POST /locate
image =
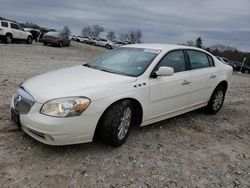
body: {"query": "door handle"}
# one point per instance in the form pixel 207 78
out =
pixel 185 82
pixel 212 76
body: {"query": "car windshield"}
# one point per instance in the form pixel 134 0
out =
pixel 125 61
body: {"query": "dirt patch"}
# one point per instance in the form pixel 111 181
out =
pixel 191 150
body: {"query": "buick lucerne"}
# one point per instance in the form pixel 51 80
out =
pixel 134 85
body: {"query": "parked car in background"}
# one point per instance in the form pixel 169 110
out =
pixel 103 42
pixel 83 39
pixel 10 31
pixel 245 68
pixel 134 85
pixel 72 37
pixel 227 62
pixel 116 43
pixel 35 33
pixel 56 38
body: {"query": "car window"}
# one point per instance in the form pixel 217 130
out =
pixel 175 59
pixel 13 26
pixel 20 28
pixel 198 59
pixel 4 24
pixel 211 61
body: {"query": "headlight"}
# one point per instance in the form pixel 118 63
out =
pixel 65 107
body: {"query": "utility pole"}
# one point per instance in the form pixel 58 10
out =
pixel 243 63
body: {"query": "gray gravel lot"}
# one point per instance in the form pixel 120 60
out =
pixel 191 150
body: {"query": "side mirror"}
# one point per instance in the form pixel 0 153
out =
pixel 165 71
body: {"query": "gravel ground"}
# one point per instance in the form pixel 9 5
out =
pixel 191 150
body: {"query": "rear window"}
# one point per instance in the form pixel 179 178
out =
pixel 53 33
pixel 4 24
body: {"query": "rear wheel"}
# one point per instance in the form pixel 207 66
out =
pixel 8 39
pixel 60 44
pixel 216 101
pixel 45 44
pixel 29 40
pixel 116 123
pixel 108 47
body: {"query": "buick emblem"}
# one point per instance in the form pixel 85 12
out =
pixel 17 101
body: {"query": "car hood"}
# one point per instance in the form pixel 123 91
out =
pixel 73 81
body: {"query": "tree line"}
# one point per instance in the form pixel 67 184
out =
pixel 96 30
pixel 232 53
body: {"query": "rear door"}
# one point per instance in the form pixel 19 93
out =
pixel 203 76
pixel 14 30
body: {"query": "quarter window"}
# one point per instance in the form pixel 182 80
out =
pixel 198 59
pixel 4 24
pixel 211 61
pixel 175 59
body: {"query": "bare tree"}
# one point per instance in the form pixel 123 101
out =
pixel 87 31
pixel 122 37
pixel 133 36
pixel 111 35
pixel 97 30
pixel 66 30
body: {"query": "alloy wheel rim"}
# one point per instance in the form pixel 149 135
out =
pixel 218 99
pixel 124 123
pixel 9 39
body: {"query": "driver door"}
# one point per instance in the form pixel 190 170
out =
pixel 169 94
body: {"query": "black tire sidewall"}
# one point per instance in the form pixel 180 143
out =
pixel 60 44
pixel 111 121
pixel 29 40
pixel 209 107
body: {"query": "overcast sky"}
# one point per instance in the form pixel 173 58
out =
pixel 163 21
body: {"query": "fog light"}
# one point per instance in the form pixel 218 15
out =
pixel 48 138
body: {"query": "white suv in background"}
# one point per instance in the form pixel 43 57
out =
pixel 10 31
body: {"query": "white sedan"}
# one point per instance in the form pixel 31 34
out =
pixel 133 85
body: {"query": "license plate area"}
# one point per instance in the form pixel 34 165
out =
pixel 15 117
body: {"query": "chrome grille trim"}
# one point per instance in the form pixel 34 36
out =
pixel 23 101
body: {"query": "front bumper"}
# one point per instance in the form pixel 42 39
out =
pixel 59 131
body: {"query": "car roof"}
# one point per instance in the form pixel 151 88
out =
pixel 166 47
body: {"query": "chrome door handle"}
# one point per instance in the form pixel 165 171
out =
pixel 212 76
pixel 185 82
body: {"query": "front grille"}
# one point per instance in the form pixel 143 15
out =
pixel 23 101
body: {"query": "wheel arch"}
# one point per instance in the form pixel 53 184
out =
pixel 223 84
pixel 138 112
pixel 8 33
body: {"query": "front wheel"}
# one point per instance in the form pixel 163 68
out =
pixel 29 40
pixel 116 123
pixel 216 101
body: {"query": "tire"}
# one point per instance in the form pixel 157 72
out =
pixel 8 39
pixel 60 44
pixel 108 47
pixel 94 44
pixel 216 101
pixel 45 44
pixel 85 42
pixel 29 40
pixel 116 123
